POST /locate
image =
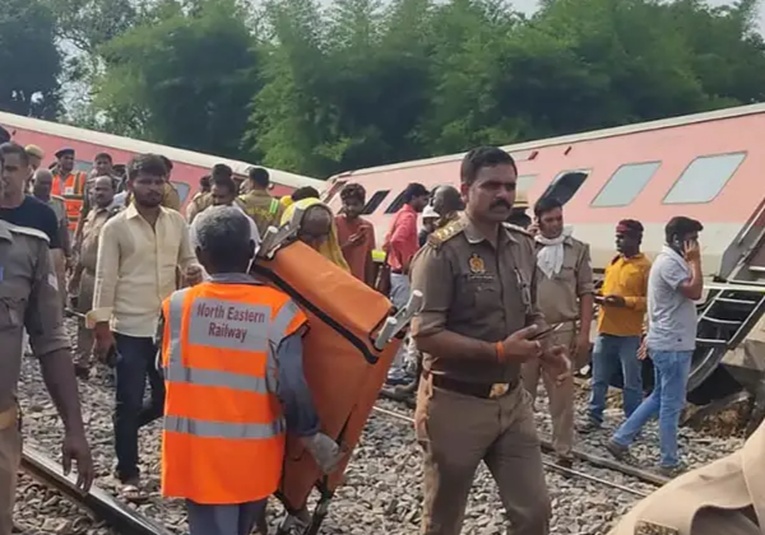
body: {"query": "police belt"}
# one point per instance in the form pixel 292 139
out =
pixel 476 390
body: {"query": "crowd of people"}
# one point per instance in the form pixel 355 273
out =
pixel 507 301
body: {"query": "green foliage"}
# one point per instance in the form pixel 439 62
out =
pixel 320 88
pixel 29 60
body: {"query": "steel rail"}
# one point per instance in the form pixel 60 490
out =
pixel 123 519
pixel 591 459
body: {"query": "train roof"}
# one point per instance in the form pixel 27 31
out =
pixel 11 121
pixel 671 122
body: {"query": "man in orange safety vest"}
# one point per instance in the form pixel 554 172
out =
pixel 232 358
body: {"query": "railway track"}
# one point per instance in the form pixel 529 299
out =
pixel 644 476
pixel 103 505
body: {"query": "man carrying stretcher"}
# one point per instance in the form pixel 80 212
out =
pixel 232 358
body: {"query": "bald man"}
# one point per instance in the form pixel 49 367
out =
pixel 42 184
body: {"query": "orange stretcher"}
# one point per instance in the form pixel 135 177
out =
pixel 354 333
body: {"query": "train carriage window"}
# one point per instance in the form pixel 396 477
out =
pixel 83 165
pixel 625 184
pixel 566 184
pixel 396 205
pixel 704 178
pixel 183 190
pixel 375 201
pixel 524 182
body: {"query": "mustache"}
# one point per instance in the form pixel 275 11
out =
pixel 500 203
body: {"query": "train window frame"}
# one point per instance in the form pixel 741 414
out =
pixel 595 204
pixel 375 201
pixel 179 187
pixel 586 171
pixel 397 203
pixel 678 183
pixel 83 166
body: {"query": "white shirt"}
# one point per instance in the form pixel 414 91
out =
pixel 136 269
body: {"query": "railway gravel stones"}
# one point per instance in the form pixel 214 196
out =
pixel 382 494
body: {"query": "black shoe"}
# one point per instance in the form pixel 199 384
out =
pixel 617 450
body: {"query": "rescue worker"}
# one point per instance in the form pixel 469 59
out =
pixel 82 282
pixel 200 199
pixel 565 297
pixel 62 258
pixel 518 216
pixel 30 299
pixel 429 219
pixel 223 439
pixel 447 202
pixel 722 498
pixel 258 203
pixel 479 288
pixel 35 155
pixel 318 230
pixel 69 184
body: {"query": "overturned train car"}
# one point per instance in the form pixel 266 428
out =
pixel 706 166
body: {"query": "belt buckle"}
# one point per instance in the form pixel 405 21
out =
pixel 498 390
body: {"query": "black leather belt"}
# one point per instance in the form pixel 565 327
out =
pixel 397 271
pixel 477 390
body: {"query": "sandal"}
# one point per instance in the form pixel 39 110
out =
pixel 131 493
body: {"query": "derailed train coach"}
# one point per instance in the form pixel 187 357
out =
pixel 706 166
pixel 188 166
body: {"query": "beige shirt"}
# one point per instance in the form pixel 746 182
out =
pixel 559 296
pixel 136 269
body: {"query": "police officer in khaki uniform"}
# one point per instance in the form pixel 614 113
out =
pixel 264 209
pixel 29 299
pixel 83 279
pixel 201 199
pixel 478 281
pixel 726 497
pixel 565 293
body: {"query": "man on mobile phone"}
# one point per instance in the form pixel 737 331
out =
pixel 674 283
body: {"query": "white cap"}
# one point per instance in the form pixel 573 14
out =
pixel 430 213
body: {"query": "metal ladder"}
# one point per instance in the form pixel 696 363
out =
pixel 724 321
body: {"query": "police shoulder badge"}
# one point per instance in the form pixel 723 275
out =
pixel 475 262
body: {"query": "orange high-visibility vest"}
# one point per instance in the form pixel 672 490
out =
pixel 72 189
pixel 223 438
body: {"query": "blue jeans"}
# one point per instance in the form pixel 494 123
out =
pixel 671 370
pixel 135 361
pixel 609 352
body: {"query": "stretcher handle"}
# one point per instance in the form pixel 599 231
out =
pixel 277 237
pixel 394 324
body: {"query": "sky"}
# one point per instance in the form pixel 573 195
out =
pixel 529 6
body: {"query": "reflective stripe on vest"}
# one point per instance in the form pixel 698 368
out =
pixel 175 371
pixel 222 415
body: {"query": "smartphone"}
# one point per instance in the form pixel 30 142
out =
pixel 541 334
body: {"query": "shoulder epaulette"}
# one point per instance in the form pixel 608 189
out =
pixel 113 210
pixel 519 230
pixel 438 237
pixel 29 231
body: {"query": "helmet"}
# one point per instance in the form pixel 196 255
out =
pixel 521 200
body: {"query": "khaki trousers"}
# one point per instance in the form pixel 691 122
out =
pixel 561 396
pixel 84 335
pixel 456 433
pixel 10 458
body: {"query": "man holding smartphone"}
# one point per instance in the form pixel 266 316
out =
pixel 476 327
pixel 674 283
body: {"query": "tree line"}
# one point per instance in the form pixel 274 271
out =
pixel 319 88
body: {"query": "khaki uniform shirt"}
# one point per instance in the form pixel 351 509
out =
pixel 29 299
pixel 729 493
pixel 559 295
pixel 474 289
pixel 263 209
pixel 198 204
pixel 91 231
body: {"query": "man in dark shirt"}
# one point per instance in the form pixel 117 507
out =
pixel 18 208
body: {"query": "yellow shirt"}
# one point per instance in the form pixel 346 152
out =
pixel 628 278
pixel 135 269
